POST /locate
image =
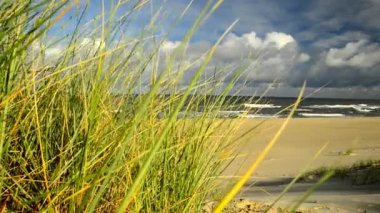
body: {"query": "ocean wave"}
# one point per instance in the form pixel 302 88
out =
pixel 358 107
pixel 321 114
pixel 261 106
pixel 231 114
pixel 258 116
pixel 304 110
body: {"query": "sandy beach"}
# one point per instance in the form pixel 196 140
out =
pixel 349 140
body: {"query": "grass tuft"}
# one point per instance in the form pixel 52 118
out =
pixel 360 173
pixel 91 121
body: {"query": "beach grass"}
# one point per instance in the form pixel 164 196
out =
pixel 359 173
pixel 99 120
pixel 81 128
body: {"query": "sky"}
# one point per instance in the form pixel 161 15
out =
pixel 334 44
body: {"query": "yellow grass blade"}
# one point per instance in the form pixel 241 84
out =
pixel 316 155
pixel 231 194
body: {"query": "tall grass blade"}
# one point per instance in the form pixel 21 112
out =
pixel 235 189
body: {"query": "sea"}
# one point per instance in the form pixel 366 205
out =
pixel 275 107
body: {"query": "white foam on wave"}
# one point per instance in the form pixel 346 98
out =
pixel 261 106
pixel 304 110
pixel 321 115
pixel 258 116
pixel 357 107
pixel 232 112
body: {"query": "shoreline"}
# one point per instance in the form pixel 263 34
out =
pixel 321 117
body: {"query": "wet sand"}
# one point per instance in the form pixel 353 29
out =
pixel 349 140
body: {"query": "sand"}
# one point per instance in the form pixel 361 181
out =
pixel 349 140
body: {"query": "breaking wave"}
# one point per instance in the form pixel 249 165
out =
pixel 261 106
pixel 322 114
pixel 358 107
pixel 258 116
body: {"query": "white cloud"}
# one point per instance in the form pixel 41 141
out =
pixel 252 41
pixel 303 57
pixel 52 53
pixel 272 57
pixel 168 46
pixel 332 40
pixel 91 43
pixel 355 64
pixel 268 58
pixel 249 40
pixel 278 39
pixel 360 54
